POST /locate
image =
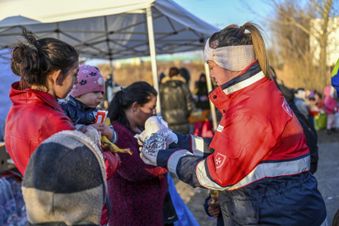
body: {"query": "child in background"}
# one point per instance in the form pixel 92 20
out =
pixel 330 106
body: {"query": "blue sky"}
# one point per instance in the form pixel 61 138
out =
pixel 223 12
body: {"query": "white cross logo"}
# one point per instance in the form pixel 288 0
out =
pixel 219 160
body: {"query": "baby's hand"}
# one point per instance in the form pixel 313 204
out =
pixel 104 130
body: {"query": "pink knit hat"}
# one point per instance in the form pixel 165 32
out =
pixel 89 79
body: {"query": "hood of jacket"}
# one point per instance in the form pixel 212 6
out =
pixel 173 81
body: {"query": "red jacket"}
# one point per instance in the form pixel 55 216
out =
pixel 136 190
pixel 33 117
pixel 258 136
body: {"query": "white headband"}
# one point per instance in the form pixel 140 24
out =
pixel 233 58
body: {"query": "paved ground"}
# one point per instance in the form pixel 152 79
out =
pixel 327 176
pixel 328 171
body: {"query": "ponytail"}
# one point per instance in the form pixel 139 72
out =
pixel 258 46
pixel 234 35
pixel 34 59
pixel 27 62
pixel 116 109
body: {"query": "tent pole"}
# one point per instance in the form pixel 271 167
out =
pixel 109 51
pixel 209 88
pixel 152 51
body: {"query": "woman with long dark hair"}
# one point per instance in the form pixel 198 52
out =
pixel 137 191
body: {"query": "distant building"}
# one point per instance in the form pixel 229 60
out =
pixel 333 40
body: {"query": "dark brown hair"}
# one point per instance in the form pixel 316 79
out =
pixel 34 59
pixel 173 71
pixel 140 92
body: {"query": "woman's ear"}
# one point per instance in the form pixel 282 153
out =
pixel 56 77
pixel 134 106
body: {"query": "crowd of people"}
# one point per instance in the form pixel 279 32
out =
pixel 257 164
pixel 320 109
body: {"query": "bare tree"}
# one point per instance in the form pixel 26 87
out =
pixel 294 27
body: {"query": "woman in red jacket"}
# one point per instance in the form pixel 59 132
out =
pixel 258 159
pixel 47 68
pixel 137 191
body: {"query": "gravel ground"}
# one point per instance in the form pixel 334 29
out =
pixel 328 185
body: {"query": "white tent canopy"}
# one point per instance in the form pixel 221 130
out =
pixel 108 29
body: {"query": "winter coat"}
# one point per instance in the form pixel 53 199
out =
pixel 260 161
pixel 330 105
pixel 302 107
pixel 34 116
pixel 176 103
pixel 201 95
pixel 78 112
pixel 137 191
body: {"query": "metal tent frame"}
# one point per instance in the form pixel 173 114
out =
pixel 113 30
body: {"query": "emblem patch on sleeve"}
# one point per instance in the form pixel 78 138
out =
pixel 219 160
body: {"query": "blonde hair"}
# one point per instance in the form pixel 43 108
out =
pixel 258 46
pixel 234 35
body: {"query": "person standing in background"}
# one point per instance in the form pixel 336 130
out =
pixel 176 101
pixel 331 107
pixel 201 93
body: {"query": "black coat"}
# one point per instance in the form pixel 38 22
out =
pixel 176 103
pixel 202 101
pixel 78 112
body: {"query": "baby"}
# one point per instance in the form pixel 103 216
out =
pixel 86 94
pixel 81 105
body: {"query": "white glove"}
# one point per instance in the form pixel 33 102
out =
pixel 155 124
pixel 151 148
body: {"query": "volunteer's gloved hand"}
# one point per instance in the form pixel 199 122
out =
pixel 151 148
pixel 156 124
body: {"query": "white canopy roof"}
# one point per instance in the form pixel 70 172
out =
pixel 106 29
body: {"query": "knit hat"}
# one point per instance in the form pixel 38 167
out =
pixel 89 79
pixel 65 181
